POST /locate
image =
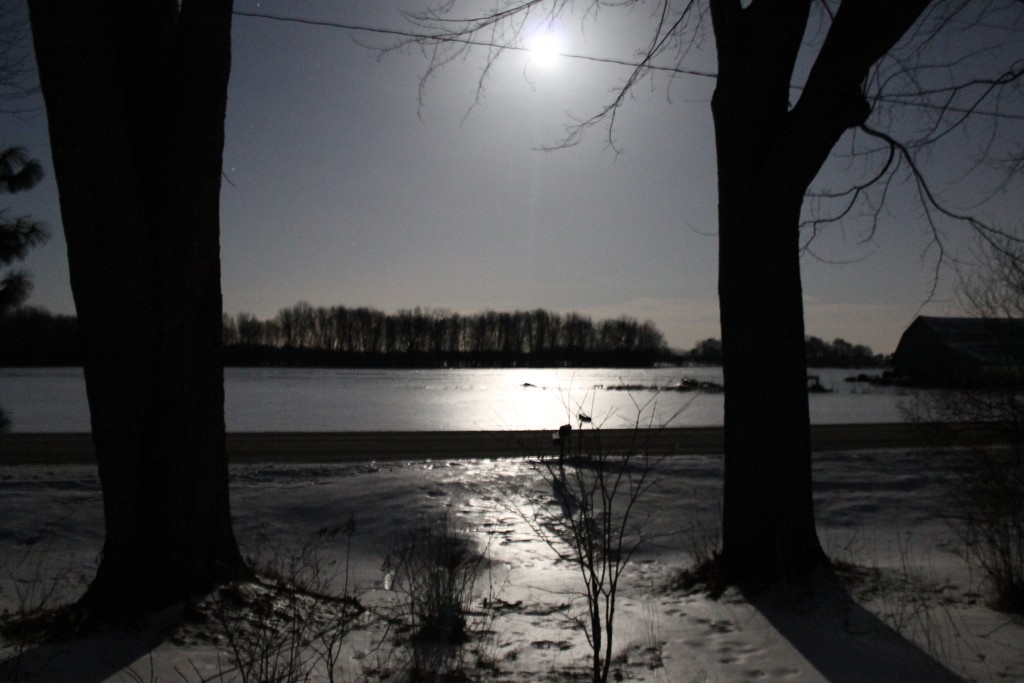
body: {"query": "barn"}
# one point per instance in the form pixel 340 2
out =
pixel 950 352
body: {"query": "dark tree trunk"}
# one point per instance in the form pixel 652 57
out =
pixel 768 516
pixel 768 519
pixel 135 96
pixel 768 153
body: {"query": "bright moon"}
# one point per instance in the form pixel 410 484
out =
pixel 544 46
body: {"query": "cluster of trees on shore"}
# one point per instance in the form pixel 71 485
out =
pixel 838 353
pixel 336 335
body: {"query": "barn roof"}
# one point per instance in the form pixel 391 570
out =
pixel 998 341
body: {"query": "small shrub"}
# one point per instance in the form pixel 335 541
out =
pixel 592 520
pixel 989 511
pixel 265 632
pixel 40 594
pixel 704 543
pixel 288 626
pixel 434 567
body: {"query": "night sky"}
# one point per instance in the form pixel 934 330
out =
pixel 344 187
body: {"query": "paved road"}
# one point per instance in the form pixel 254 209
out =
pixel 356 446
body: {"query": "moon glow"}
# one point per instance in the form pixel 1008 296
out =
pixel 545 47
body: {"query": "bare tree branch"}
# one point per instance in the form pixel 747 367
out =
pixel 17 74
pixel 447 38
pixel 959 65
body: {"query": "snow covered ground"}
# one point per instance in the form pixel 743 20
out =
pixel 917 612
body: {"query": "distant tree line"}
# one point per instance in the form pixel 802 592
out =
pixel 34 337
pixel 340 336
pixel 364 337
pixel 820 354
pixel 842 354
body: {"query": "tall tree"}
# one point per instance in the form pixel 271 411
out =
pixel 135 96
pixel 768 153
pixel 18 172
pixel 793 79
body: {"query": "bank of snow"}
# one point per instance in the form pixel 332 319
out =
pixel 879 510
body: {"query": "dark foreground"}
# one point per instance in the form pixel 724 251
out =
pixel 358 446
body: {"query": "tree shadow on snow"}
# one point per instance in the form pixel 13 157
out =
pixel 89 659
pixel 843 641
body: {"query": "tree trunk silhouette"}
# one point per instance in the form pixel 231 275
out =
pixel 135 96
pixel 768 153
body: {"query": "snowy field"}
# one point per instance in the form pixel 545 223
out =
pixel 918 612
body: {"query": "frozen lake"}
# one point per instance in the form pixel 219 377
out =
pixel 300 399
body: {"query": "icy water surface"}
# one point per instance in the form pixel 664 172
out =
pixel 299 399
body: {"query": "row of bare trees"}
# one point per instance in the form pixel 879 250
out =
pixel 537 336
pixel 838 353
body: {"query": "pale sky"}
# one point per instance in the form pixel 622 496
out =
pixel 345 189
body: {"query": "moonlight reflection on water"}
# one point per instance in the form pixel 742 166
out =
pixel 326 400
